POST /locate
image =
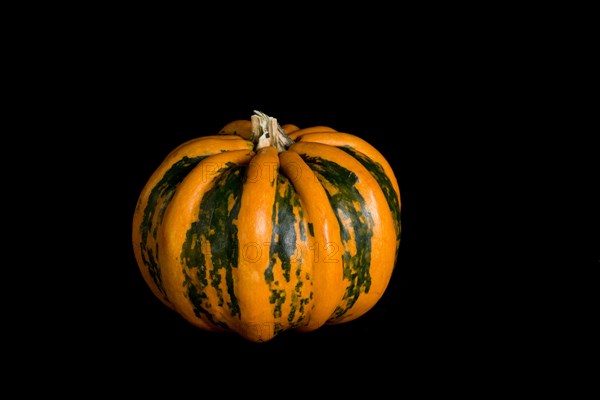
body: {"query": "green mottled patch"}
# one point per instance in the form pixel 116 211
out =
pixel 355 222
pixel 384 182
pixel 298 305
pixel 277 298
pixel 287 217
pixel 159 199
pixel 215 232
pixel 283 239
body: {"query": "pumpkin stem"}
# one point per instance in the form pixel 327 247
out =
pixel 267 132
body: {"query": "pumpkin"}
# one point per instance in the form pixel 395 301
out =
pixel 262 228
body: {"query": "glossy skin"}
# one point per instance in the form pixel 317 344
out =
pixel 260 241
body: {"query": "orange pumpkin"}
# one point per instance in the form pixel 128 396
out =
pixel 263 228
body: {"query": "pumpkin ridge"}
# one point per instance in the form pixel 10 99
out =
pixel 355 224
pixel 384 182
pixel 159 198
pixel 287 252
pixel 196 237
pixel 325 273
pixel 215 234
pixel 255 225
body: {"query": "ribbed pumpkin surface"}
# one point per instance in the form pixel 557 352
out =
pixel 238 232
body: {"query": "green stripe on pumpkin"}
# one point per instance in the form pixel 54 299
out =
pixel 355 222
pixel 285 251
pixel 384 182
pixel 158 200
pixel 215 231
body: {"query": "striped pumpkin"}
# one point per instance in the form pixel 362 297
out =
pixel 264 228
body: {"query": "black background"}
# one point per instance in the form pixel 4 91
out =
pixel 424 122
pixel 428 307
pixel 439 108
pixel 480 113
